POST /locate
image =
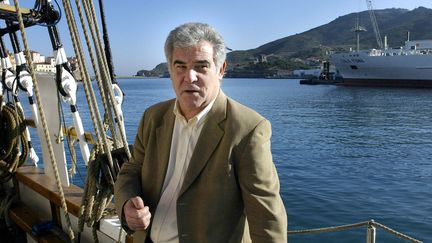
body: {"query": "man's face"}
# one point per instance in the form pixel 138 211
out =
pixel 195 78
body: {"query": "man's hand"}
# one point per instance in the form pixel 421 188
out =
pixel 136 214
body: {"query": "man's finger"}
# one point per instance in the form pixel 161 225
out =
pixel 137 202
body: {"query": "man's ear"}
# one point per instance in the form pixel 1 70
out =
pixel 222 70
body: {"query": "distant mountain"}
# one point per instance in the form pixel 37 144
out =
pixel 337 35
pixel 306 50
pixel 159 71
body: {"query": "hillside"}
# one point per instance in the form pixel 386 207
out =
pixel 394 23
pixel 308 49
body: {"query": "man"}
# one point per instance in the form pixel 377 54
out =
pixel 202 169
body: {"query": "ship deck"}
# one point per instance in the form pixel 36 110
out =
pixel 26 215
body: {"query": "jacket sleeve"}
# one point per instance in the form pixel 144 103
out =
pixel 259 183
pixel 128 183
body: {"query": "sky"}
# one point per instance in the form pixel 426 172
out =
pixel 138 28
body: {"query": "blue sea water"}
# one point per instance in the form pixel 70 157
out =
pixel 343 154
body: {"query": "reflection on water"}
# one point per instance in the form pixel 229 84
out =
pixel 344 154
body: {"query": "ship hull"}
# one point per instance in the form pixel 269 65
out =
pixel 403 83
pixel 363 68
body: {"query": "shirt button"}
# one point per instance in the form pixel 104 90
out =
pixel 184 235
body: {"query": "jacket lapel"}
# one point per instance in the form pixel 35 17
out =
pixel 163 141
pixel 209 138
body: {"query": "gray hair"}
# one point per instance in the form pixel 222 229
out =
pixel 190 34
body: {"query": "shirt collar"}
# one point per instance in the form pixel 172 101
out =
pixel 198 118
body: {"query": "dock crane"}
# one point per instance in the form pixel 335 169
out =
pixel 374 23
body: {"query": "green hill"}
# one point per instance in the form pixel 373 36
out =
pixel 394 23
pixel 308 49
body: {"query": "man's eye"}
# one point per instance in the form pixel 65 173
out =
pixel 202 67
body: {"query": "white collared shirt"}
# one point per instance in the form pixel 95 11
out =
pixel 185 136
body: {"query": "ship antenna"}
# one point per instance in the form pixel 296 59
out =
pixel 358 29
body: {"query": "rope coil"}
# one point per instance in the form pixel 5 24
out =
pixel 99 187
pixel 14 146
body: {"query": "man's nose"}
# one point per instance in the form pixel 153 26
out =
pixel 191 76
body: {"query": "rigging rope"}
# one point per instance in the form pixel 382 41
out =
pixel 91 16
pixel 353 226
pixel 107 42
pixel 105 79
pixel 43 119
pixel 103 69
pixel 100 185
pixel 98 189
pixel 9 197
pixel 98 77
pixel 67 86
pixel 90 96
pixel 94 111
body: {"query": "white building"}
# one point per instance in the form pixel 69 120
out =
pixel 37 57
pixel 48 66
pixel 45 64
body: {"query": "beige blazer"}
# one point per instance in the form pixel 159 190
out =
pixel 231 189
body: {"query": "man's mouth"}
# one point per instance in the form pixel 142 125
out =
pixel 191 90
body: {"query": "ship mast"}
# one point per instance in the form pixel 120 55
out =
pixel 358 29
